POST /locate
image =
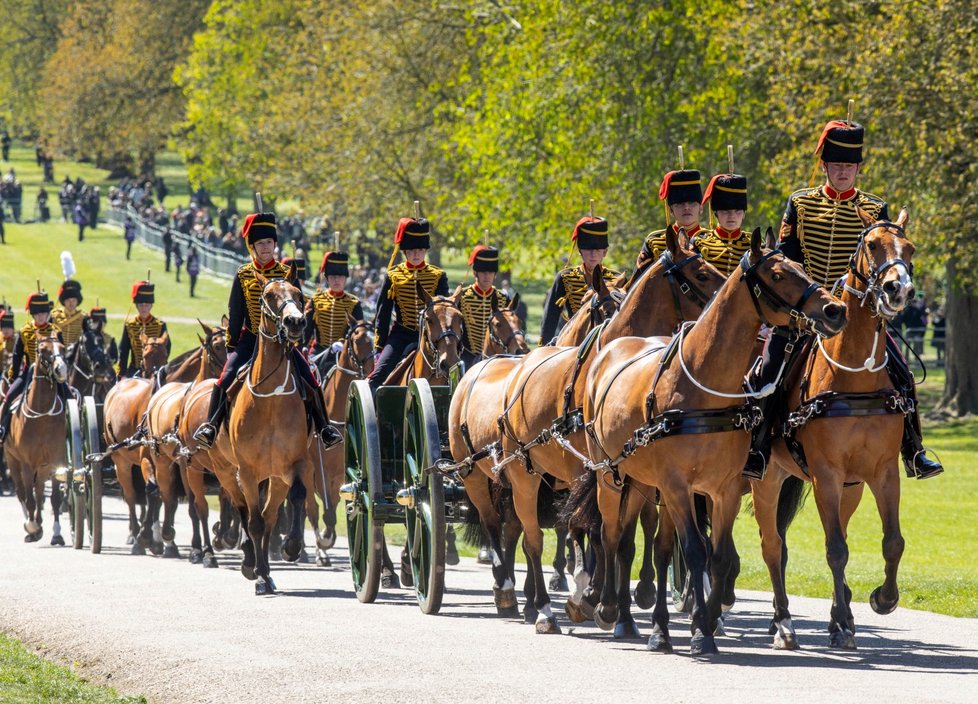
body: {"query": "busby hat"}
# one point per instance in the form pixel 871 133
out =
pixel 98 315
pixel 681 186
pixel 484 258
pixel 38 303
pixel 6 318
pixel 413 234
pixel 841 142
pixel 727 192
pixel 591 232
pixel 259 226
pixel 300 266
pixel 335 264
pixel 70 289
pixel 143 292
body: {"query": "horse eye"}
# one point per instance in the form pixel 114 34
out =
pixel 702 276
pixel 777 277
pixel 872 246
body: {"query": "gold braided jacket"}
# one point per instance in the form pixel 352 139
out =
pixel 329 315
pixel 404 292
pixel 576 283
pixel 71 325
pixel 723 252
pixel 476 308
pixel 153 328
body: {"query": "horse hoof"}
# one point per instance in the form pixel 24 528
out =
pixel 504 598
pixel 156 548
pixel 659 642
pixel 210 562
pixel 644 596
pixel 144 540
pixel 218 544
pixel 264 587
pixel 605 617
pixel 451 558
pixel 508 611
pixel 57 540
pixel 558 583
pixel 842 639
pixel 327 540
pixel 702 644
pixel 291 551
pixel 390 581
pixel 248 571
pixel 719 630
pixel 407 578
pixel 785 641
pixel 588 605
pixel 137 549
pixel 130 540
pixel 881 606
pixel 31 538
pixel 546 625
pixel 530 614
pixel 626 630
pixel 574 612
pixel 171 551
pixel 324 561
pixel 196 557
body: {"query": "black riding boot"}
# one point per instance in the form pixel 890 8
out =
pixel 915 460
pixel 206 434
pixel 328 435
pixel 763 435
pixel 4 420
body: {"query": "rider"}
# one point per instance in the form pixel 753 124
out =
pixel 329 310
pixel 68 318
pixel 8 336
pixel 591 236
pixel 683 195
pixel 25 353
pixel 244 313
pixel 725 244
pixel 821 229
pixel 476 301
pixel 97 319
pixel 131 347
pixel 399 295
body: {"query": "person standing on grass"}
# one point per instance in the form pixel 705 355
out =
pixel 167 248
pixel 80 219
pixel 193 268
pixel 129 232
pixel 177 259
pixel 3 235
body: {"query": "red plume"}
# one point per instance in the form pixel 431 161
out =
pixel 825 133
pixel 402 225
pixel 247 224
pixel 664 188
pixel 709 188
pixel 475 253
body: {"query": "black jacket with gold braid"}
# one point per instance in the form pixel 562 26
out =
pixel 821 228
pixel 565 297
pixel 399 296
pixel 25 348
pixel 244 303
pixel 723 249
pixel 71 325
pixel 131 347
pixel 326 316
pixel 476 307
pixel 655 242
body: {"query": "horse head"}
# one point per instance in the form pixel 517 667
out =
pixel 154 352
pixel 606 299
pixel 785 296
pixel 882 264
pixel 50 361
pixel 213 345
pixel 281 307
pixel 693 279
pixel 442 330
pixel 505 329
pixel 359 346
pixel 92 348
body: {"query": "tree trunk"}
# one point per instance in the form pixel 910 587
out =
pixel 961 385
pixel 147 164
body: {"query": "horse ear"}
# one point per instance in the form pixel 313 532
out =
pixel 769 241
pixel 260 279
pixel 202 341
pixel 755 243
pixel 514 302
pixel 865 217
pixel 422 294
pixel 684 238
pixel 597 278
pixel 164 338
pixel 143 337
pixel 208 330
pixel 672 242
pixel 350 320
pixel 456 294
pixel 225 322
pixel 904 217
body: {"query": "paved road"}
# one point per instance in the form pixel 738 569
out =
pixel 180 633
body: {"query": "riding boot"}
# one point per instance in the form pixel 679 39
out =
pixel 915 460
pixel 762 435
pixel 4 420
pixel 328 435
pixel 206 434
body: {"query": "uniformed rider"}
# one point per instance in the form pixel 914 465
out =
pixel 725 243
pixel 131 347
pixel 69 319
pixel 329 310
pixel 683 194
pixel 478 300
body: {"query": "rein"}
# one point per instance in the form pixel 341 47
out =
pixel 44 371
pixel 280 338
pixel 429 348
pixel 359 372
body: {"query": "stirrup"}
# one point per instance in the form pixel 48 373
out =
pixel 751 469
pixel 205 435
pixel 330 437
pixel 922 467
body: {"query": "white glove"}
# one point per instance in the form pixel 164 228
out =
pixel 336 347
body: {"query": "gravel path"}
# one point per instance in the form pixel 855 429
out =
pixel 180 633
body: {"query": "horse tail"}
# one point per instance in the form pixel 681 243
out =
pixel 549 503
pixel 580 511
pixel 472 532
pixel 790 500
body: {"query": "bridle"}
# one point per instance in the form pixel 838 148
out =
pixel 429 348
pixel 679 283
pixel 95 357
pixel 359 372
pixel 280 336
pixel 873 280
pixel 514 334
pixel 209 351
pixel 799 322
pixel 604 307
pixel 44 370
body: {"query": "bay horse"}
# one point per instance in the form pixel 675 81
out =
pixel 90 372
pixel 846 426
pixel 660 415
pixel 542 421
pixel 161 459
pixel 123 413
pixel 268 437
pixel 34 446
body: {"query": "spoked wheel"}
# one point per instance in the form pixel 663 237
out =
pixel 364 488
pixel 423 497
pixel 75 454
pixel 93 476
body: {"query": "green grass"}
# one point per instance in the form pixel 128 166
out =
pixel 26 678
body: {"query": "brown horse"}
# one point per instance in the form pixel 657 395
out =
pixel 504 331
pixel 661 416
pixel 267 438
pixel 542 421
pixel 34 447
pixel 848 422
pixel 355 360
pixel 440 325
pixel 161 458
pixel 91 372
pixel 124 409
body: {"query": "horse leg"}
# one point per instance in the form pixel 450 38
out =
pixel 277 491
pixel 664 544
pixel 312 513
pixel 292 545
pixel 610 500
pixel 198 496
pixel 645 591
pixel 388 577
pixel 254 565
pixel 725 561
pixel 558 581
pixel 196 551
pixel 478 491
pixel 33 500
pixel 828 498
pixel 633 502
pixel 526 487
pixel 766 496
pixel 57 497
pixel 167 478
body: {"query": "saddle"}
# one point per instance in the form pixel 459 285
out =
pixel 241 377
pixel 410 353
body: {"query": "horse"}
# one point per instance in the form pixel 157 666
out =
pixel 90 369
pixel 33 449
pixel 543 427
pixel 845 426
pixel 269 399
pixel 161 459
pixel 667 408
pixel 123 431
